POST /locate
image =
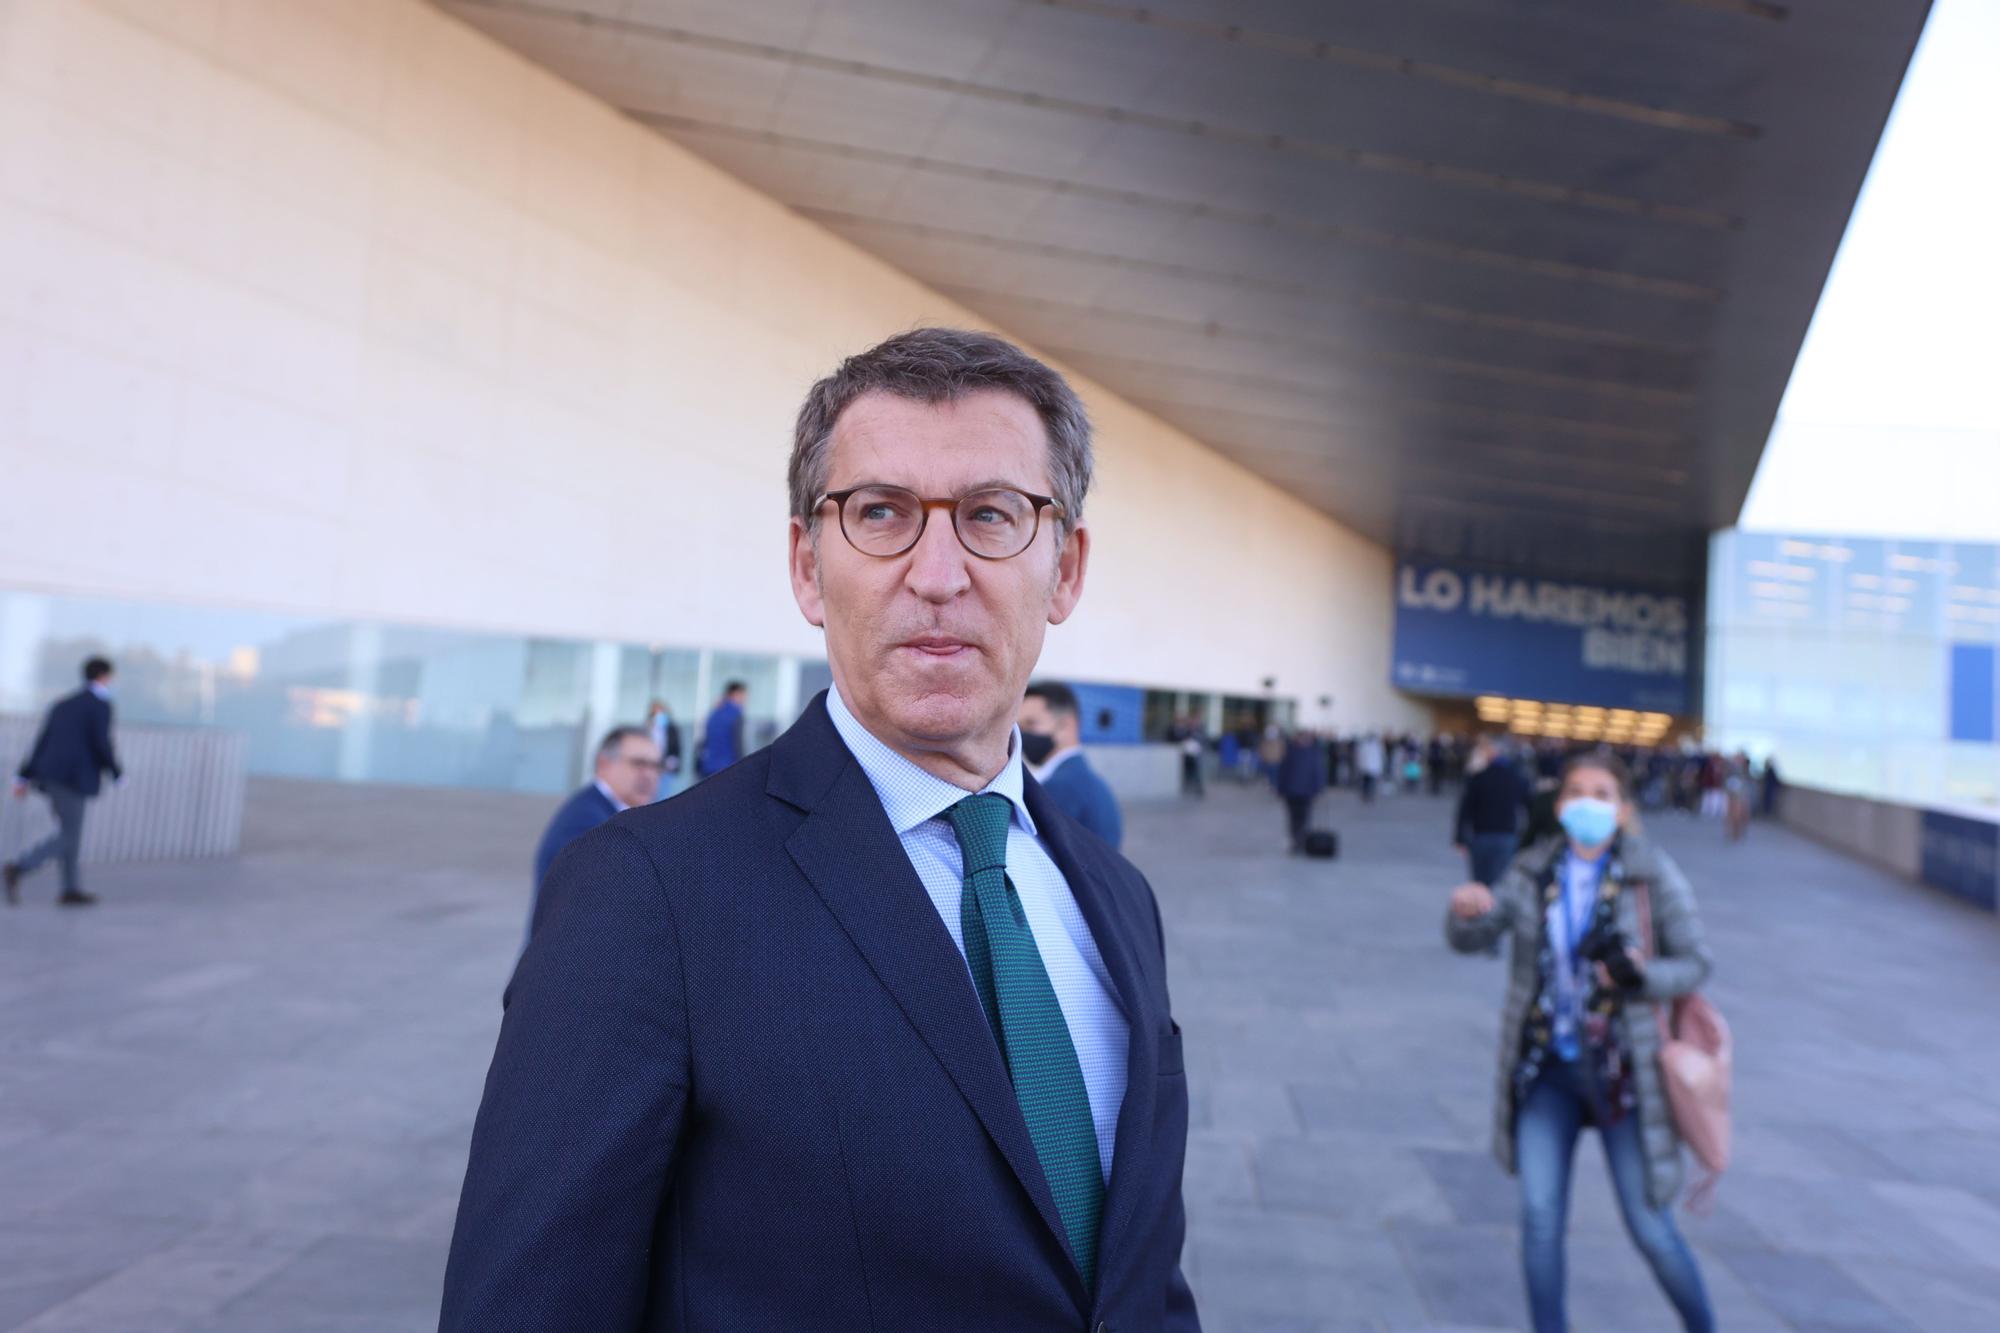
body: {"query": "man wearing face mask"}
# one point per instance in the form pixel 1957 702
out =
pixel 1052 742
pixel 1580 1029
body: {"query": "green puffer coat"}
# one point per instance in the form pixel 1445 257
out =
pixel 1679 964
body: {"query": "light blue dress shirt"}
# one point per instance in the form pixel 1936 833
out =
pixel 915 802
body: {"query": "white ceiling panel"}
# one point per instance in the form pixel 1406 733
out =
pixel 1435 240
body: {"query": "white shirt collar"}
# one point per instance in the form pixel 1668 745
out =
pixel 1047 768
pixel 908 794
pixel 609 795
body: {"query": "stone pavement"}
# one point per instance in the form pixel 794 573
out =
pixel 236 1097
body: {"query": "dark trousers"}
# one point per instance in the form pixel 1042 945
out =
pixel 67 841
pixel 1367 786
pixel 1490 853
pixel 1191 775
pixel 1298 814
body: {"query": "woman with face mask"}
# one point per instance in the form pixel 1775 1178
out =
pixel 1579 1031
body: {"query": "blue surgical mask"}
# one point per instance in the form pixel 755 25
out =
pixel 1589 821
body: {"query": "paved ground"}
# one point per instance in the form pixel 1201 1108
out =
pixel 237 1097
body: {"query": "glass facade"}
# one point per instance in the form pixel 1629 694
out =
pixel 365 701
pixel 372 702
pixel 1864 666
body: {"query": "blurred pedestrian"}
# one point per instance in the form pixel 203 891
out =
pixel 1194 747
pixel 1485 827
pixel 1774 787
pixel 667 739
pixel 1300 776
pixel 1736 794
pixel 1580 1030
pixel 627 773
pixel 1051 724
pixel 1370 756
pixel 67 764
pixel 722 736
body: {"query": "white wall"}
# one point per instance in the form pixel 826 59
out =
pixel 337 306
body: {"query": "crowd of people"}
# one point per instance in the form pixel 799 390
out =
pixel 1301 763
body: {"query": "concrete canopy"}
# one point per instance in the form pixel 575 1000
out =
pixel 1513 284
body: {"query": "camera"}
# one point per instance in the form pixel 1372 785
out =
pixel 1613 949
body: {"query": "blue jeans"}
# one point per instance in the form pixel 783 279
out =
pixel 1545 1132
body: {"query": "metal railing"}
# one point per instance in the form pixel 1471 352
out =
pixel 183 798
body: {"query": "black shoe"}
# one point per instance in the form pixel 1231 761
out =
pixel 76 898
pixel 11 873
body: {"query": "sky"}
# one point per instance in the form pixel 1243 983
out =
pixel 1890 426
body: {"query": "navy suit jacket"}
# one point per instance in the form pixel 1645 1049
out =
pixel 744 1083
pixel 585 809
pixel 1084 796
pixel 74 747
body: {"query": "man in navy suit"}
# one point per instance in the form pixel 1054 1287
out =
pixel 1052 743
pixel 67 764
pixel 863 1032
pixel 627 774
pixel 722 735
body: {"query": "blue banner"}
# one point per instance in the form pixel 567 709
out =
pixel 1962 857
pixel 1468 632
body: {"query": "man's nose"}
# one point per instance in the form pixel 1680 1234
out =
pixel 937 571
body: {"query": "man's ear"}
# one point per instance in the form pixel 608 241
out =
pixel 1070 564
pixel 804 558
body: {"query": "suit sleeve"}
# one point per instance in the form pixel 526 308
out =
pixel 27 769
pixel 1180 1311
pixel 101 752
pixel 575 1142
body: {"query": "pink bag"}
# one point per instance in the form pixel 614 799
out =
pixel 1696 1057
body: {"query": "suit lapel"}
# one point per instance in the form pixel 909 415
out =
pixel 1113 935
pixel 851 855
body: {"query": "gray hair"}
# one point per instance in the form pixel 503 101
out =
pixel 617 736
pixel 935 366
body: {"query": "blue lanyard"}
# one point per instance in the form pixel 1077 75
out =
pixel 1573 922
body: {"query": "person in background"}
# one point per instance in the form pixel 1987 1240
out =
pixel 1193 743
pixel 1370 757
pixel 1486 825
pixel 1051 724
pixel 627 774
pixel 1300 777
pixel 1774 786
pixel 1736 794
pixel 722 737
pixel 1580 1030
pixel 67 764
pixel 667 738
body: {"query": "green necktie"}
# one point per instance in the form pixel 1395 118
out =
pixel 1021 1005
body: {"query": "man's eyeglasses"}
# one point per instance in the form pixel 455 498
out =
pixel 993 524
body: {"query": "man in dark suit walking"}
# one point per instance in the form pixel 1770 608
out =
pixel 862 1032
pixel 1052 743
pixel 627 774
pixel 67 764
